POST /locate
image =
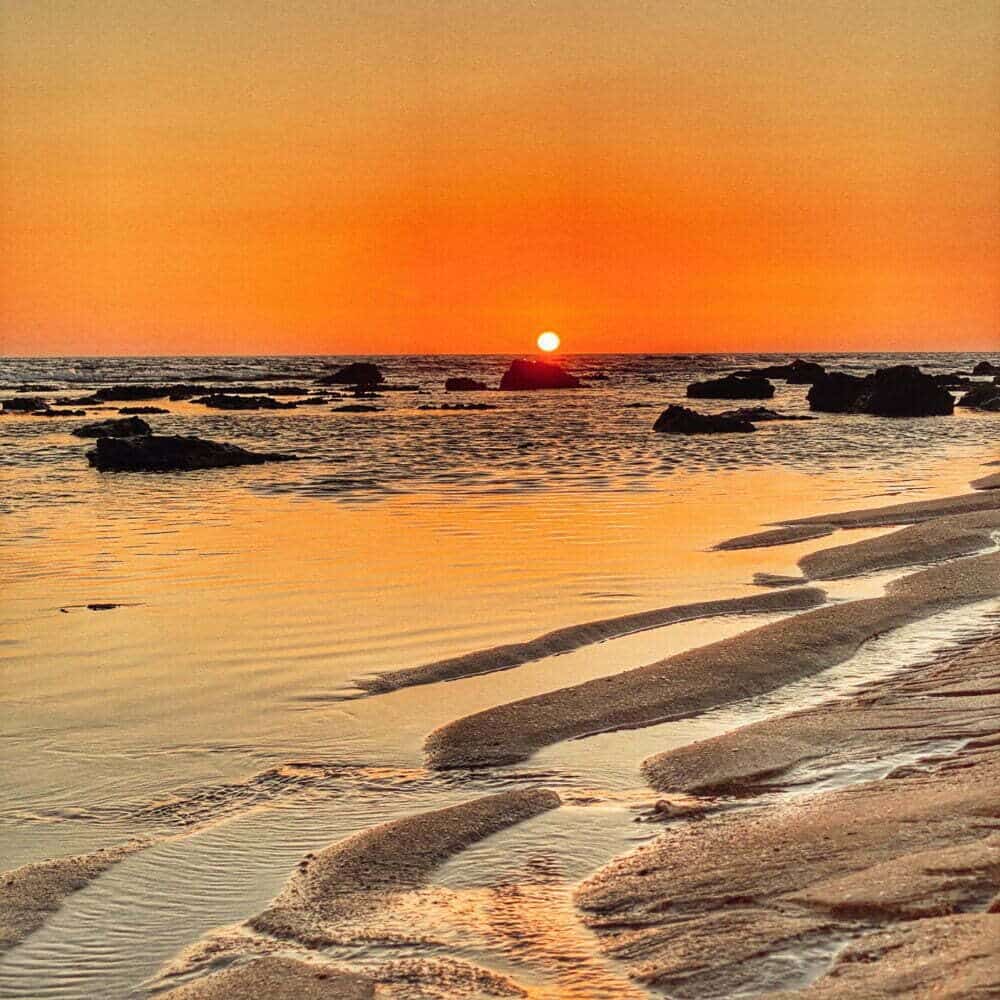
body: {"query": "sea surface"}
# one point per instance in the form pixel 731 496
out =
pixel 215 709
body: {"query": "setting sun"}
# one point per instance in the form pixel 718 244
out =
pixel 548 341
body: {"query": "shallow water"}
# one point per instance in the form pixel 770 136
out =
pixel 206 711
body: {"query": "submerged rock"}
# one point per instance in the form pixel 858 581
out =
pixel 357 408
pixel 761 414
pixel 985 396
pixel 128 393
pixel 680 420
pixel 900 391
pixel 223 401
pixel 456 406
pixel 464 385
pixel 173 453
pixel 58 413
pixel 529 375
pixel 118 428
pixel 732 387
pixel 143 410
pixel 358 373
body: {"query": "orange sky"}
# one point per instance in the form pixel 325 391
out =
pixel 368 176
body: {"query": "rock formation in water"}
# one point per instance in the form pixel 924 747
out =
pixel 464 385
pixel 358 373
pixel 528 375
pixel 171 453
pixel 680 420
pixel 732 387
pixel 797 372
pixel 982 397
pixel 900 391
pixel 224 401
pixel 118 428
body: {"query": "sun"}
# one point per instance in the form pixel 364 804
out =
pixel 548 341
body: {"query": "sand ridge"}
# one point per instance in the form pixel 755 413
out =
pixel 733 669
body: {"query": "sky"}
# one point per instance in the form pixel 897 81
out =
pixel 456 176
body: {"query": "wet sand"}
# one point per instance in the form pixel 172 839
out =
pixel 763 896
pixel 567 639
pixel 752 663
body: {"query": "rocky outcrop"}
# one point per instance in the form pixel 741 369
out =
pixel 464 385
pixel 681 420
pixel 900 391
pixel 985 396
pixel 529 375
pixel 170 453
pixel 797 372
pixel 223 401
pixel 358 373
pixel 141 410
pixel 761 414
pixel 732 387
pixel 121 428
pixel 986 368
pixel 133 393
pixel 24 404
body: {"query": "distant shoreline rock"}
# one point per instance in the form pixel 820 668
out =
pixel 526 376
pixel 358 373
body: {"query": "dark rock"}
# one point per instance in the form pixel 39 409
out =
pixel 135 393
pixel 223 401
pixel 637 406
pixel 986 368
pixel 732 387
pixel 798 372
pixel 32 387
pixel 313 401
pixel 143 410
pixel 900 391
pixel 357 408
pixel 985 396
pixel 24 404
pixel 250 390
pixel 124 427
pixel 168 453
pixel 457 406
pixel 529 375
pixel 681 420
pixel 58 413
pixel 761 414
pixel 358 373
pixel 464 385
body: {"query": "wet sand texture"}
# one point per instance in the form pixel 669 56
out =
pixel 276 978
pixel 573 637
pixel 956 698
pixel 716 907
pixel 911 512
pixel 32 893
pixel 352 878
pixel 733 669
pixel 925 542
pixel 948 958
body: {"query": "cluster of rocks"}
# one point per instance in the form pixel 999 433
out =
pixel 225 401
pixel 985 396
pixel 899 391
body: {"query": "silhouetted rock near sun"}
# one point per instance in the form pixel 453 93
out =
pixel 168 453
pixel 985 396
pixel 528 375
pixel 358 373
pixel 732 387
pixel 464 385
pixel 121 427
pixel 680 420
pixel 900 391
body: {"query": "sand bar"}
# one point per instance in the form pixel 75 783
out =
pixel 924 542
pixel 572 637
pixel 33 892
pixel 352 878
pixel 733 669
